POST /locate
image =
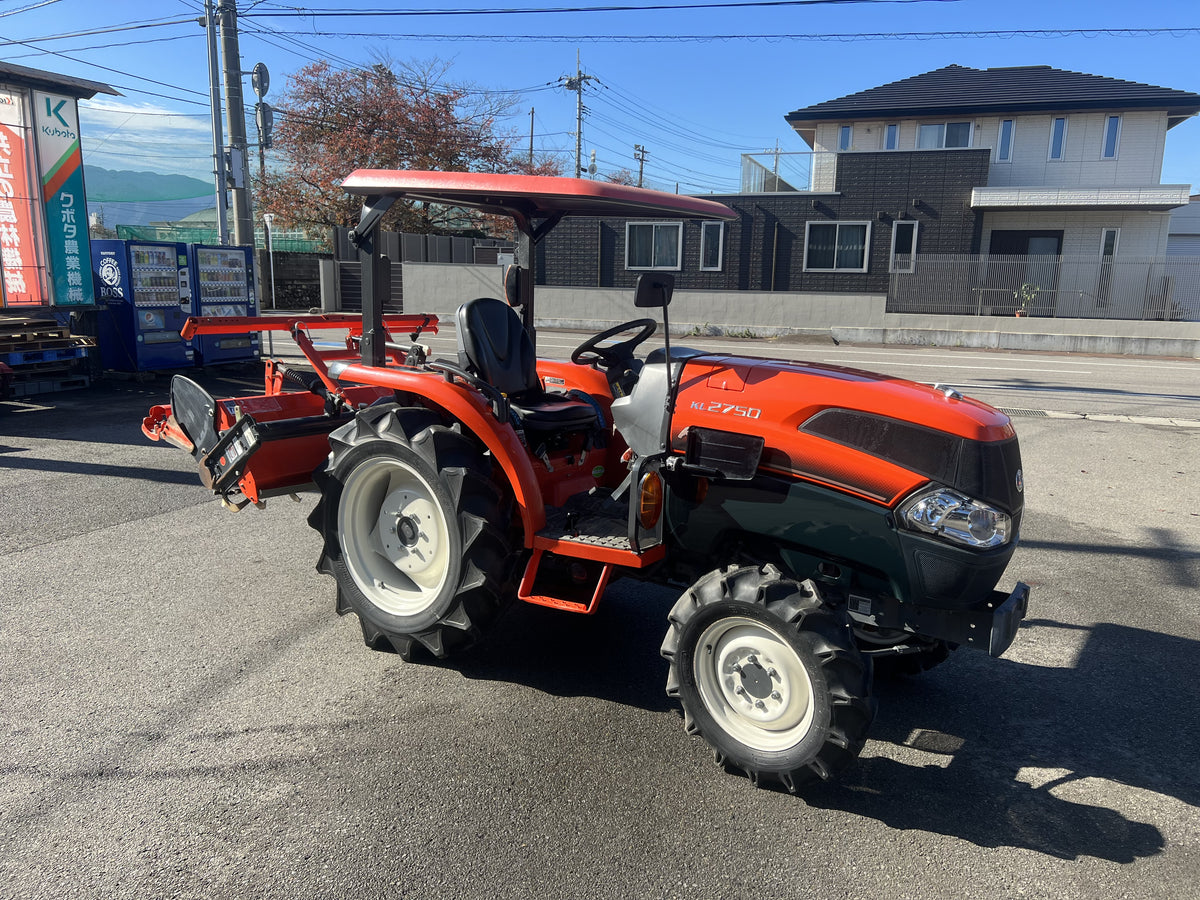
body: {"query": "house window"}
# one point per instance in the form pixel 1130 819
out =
pixel 1058 138
pixel 948 135
pixel 712 240
pixel 1112 137
pixel 892 137
pixel 1108 243
pixel 845 137
pixel 904 247
pixel 1005 142
pixel 1108 250
pixel 836 246
pixel 653 245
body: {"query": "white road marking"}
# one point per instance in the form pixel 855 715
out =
pixel 870 362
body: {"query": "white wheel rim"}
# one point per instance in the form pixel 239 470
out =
pixel 754 684
pixel 394 536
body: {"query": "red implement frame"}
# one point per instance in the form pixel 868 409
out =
pixel 287 465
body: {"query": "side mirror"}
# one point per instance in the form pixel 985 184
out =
pixel 512 285
pixel 654 290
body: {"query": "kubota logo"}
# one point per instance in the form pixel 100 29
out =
pixel 54 111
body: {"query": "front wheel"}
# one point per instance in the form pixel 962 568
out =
pixel 414 531
pixel 769 675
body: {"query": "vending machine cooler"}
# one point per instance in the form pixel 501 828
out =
pixel 144 289
pixel 225 286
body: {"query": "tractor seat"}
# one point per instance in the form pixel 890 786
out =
pixel 493 344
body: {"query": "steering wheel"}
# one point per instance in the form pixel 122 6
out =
pixel 615 355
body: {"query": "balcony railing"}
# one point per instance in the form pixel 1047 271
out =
pixel 779 172
pixel 1091 287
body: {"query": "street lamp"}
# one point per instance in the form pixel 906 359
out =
pixel 268 219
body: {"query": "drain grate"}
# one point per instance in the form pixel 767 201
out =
pixel 1023 413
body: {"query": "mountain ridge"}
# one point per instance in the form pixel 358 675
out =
pixel 124 186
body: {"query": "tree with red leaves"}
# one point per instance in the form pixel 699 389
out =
pixel 332 122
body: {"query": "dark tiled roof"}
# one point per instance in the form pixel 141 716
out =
pixel 50 81
pixel 962 90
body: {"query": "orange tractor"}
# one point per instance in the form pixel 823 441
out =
pixel 821 524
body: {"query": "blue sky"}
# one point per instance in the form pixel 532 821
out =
pixel 694 104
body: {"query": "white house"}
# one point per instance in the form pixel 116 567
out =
pixel 1074 173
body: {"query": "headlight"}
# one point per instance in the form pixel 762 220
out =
pixel 955 517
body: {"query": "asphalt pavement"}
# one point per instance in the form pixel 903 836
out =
pixel 186 716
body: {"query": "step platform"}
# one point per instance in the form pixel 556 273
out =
pixel 574 557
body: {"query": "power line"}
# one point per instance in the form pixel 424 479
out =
pixel 176 37
pixel 13 12
pixel 112 29
pixel 658 115
pixel 83 62
pixel 141 113
pixel 833 37
pixel 260 33
pixel 302 12
pixel 672 139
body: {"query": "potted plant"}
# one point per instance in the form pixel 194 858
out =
pixel 1024 296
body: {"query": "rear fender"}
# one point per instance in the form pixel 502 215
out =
pixel 471 409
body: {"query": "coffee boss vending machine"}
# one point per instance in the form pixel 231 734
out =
pixel 225 286
pixel 144 289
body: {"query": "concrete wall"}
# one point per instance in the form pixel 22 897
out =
pixel 1115 336
pixel 438 288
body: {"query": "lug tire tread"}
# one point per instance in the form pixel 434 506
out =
pixel 798 608
pixel 485 584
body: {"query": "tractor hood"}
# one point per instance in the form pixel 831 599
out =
pixel 869 434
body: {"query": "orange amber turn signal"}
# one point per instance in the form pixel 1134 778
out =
pixel 650 500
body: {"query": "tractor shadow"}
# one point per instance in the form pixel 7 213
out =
pixel 1004 743
pixel 1002 739
pixel 611 655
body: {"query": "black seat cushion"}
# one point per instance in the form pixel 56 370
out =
pixel 552 412
pixel 494 345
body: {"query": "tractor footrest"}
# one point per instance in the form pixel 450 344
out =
pixel 562 582
pixel 594 536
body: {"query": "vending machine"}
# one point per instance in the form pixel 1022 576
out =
pixel 144 290
pixel 225 286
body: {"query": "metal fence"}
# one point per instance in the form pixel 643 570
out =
pixel 284 241
pixel 1092 287
pixel 348 284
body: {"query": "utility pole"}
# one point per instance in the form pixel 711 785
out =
pixel 531 138
pixel 576 84
pixel 639 153
pixel 243 224
pixel 214 89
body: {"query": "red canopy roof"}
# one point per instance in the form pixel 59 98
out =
pixel 532 196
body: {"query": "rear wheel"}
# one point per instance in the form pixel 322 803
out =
pixel 414 531
pixel 768 674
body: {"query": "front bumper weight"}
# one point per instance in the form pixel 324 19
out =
pixel 991 625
